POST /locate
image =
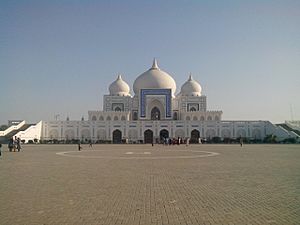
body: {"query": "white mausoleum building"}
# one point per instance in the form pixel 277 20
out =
pixel 152 113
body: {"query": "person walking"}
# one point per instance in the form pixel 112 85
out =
pixel 241 142
pixel 0 149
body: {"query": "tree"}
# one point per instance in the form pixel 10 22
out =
pixel 271 138
pixel 289 141
pixel 3 127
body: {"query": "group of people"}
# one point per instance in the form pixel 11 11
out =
pixel 14 144
pixel 174 141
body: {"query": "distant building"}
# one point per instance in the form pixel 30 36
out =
pixel 153 113
pixel 14 122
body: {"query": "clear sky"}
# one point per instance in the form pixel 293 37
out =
pixel 59 56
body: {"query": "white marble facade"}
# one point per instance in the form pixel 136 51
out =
pixel 153 112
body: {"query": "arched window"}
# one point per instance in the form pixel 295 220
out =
pixel 188 118
pixel 195 135
pixel 94 118
pixel 202 118
pixel 117 136
pixel 108 118
pixel 116 118
pixel 118 109
pixel 163 134
pixel 101 118
pixel 195 118
pixel 123 118
pixel 193 109
pixel 175 116
pixel 148 136
pixel 209 118
pixel 134 116
pixel 155 114
pixel 216 118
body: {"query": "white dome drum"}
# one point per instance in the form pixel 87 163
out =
pixel 191 88
pixel 154 78
pixel 119 87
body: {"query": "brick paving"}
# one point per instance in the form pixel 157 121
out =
pixel 256 184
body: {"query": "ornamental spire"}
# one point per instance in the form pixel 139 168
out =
pixel 154 65
pixel 190 77
pixel 119 77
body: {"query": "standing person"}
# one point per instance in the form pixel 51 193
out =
pixel 19 144
pixel 0 148
pixel 187 142
pixel 79 147
pixel 241 141
pixel 15 143
pixel 11 144
pixel 91 144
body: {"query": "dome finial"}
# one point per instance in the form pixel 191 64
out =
pixel 119 77
pixel 190 77
pixel 154 65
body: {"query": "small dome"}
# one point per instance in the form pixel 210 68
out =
pixel 191 88
pixel 119 87
pixel 154 78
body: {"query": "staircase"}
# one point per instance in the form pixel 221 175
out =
pixel 286 127
pixel 8 136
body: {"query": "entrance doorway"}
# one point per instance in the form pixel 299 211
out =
pixel 163 134
pixel 117 137
pixel 148 136
pixel 195 135
pixel 155 114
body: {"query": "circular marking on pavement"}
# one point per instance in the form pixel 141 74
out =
pixel 139 155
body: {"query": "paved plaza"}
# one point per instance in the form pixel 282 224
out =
pixel 141 184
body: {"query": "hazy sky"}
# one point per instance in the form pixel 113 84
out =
pixel 59 57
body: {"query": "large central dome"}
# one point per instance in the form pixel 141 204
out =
pixel 154 78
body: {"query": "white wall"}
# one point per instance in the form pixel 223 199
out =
pixel 31 132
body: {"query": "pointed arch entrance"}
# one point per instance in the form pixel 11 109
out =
pixel 163 134
pixel 117 137
pixel 195 135
pixel 155 113
pixel 148 136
